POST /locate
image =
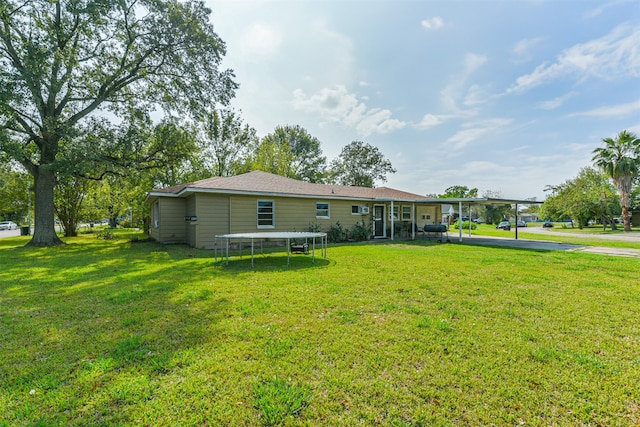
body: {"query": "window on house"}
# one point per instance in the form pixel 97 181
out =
pixel 322 210
pixel 406 213
pixel 266 214
pixel 355 209
pixel 155 214
pixel 396 213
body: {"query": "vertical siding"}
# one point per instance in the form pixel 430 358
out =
pixel 172 224
pixel 213 219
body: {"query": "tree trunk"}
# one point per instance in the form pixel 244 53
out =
pixel 625 218
pixel 44 233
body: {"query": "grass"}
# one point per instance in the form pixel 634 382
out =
pixel 108 332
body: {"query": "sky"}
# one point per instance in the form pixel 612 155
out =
pixel 507 96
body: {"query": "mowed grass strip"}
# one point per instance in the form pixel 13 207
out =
pixel 116 333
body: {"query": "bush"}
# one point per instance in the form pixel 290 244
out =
pixel 106 234
pixel 360 232
pixel 336 233
pixel 465 225
pixel 314 227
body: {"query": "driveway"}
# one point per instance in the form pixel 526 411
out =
pixel 549 246
pixel 9 233
pixel 634 236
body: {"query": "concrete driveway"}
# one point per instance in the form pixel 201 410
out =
pixel 544 245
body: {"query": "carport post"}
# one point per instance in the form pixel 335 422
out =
pixel 392 223
pixel 460 220
pixel 516 221
pixel 413 221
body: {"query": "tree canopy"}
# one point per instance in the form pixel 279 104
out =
pixel 64 64
pixel 289 151
pixel 226 141
pixel 360 164
pixel 588 196
pixel 459 191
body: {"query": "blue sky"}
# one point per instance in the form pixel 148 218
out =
pixel 507 96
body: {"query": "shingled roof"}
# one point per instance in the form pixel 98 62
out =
pixel 259 182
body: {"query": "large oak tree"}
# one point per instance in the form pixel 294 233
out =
pixel 63 62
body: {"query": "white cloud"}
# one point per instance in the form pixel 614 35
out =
pixel 603 7
pixel 476 95
pixel 454 90
pixel 340 106
pixel 475 131
pixel 473 61
pixel 432 23
pixel 555 102
pixel 523 49
pixel 429 121
pixel 621 110
pixel 609 57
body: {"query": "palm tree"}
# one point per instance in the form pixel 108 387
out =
pixel 620 160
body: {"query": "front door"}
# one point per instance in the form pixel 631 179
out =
pixel 379 230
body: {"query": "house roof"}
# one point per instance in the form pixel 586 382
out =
pixel 263 183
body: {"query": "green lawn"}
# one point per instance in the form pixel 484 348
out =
pixel 116 333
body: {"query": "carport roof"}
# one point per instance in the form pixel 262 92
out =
pixel 481 201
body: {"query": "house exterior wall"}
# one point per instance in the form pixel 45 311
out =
pixel 223 214
pixel 191 228
pixel 428 214
pixel 292 214
pixel 171 224
pixel 213 219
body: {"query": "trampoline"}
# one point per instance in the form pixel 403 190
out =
pixel 275 235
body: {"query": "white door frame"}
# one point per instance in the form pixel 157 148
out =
pixel 384 222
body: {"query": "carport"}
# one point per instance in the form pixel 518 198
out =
pixel 469 202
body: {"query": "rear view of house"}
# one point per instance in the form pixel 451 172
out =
pixel 196 212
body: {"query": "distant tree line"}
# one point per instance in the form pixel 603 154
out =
pixel 151 156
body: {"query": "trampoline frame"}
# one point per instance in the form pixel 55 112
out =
pixel 273 235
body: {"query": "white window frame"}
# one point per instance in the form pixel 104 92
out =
pixel 394 214
pixel 273 214
pixel 405 212
pixel 328 209
pixel 155 215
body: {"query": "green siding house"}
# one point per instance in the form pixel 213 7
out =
pixel 196 212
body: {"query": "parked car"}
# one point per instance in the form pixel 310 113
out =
pixel 504 225
pixel 521 224
pixel 8 225
pixel 547 224
pixel 479 221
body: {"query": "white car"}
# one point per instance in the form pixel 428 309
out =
pixel 8 225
